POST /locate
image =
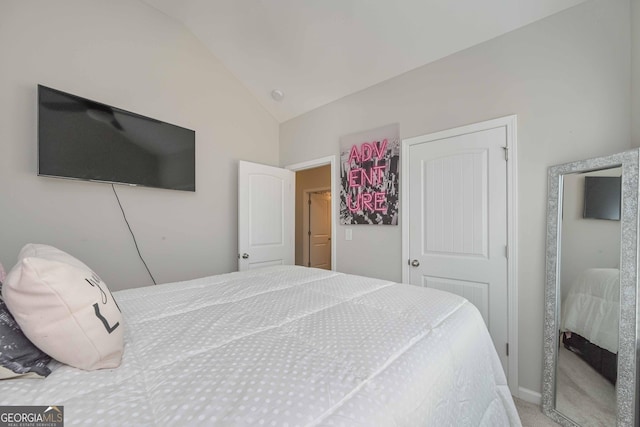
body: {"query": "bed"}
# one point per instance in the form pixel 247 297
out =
pixel 589 322
pixel 287 346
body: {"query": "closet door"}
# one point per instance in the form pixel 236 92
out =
pixel 458 222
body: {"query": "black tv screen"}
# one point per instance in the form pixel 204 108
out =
pixel 602 197
pixel 83 139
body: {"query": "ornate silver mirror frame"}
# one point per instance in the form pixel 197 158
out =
pixel 626 405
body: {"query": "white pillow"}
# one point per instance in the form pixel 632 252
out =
pixel 64 308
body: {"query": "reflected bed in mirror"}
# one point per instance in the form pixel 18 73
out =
pixel 590 333
pixel 590 276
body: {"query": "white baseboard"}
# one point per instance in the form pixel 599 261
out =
pixel 530 396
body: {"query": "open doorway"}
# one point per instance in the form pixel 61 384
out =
pixel 313 217
pixel 316 232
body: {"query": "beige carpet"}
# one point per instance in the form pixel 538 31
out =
pixel 531 415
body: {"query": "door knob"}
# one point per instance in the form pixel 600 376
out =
pixel 415 263
pixel 245 256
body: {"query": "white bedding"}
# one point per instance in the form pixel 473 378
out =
pixel 591 308
pixel 287 346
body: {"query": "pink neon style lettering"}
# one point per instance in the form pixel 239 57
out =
pixel 380 148
pixel 355 208
pixel 366 151
pixel 379 202
pixel 354 154
pixel 353 174
pixel 366 201
pixel 373 202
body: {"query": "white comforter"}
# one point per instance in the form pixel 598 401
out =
pixel 591 308
pixel 287 346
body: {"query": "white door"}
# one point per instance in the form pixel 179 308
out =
pixel 319 232
pixel 265 216
pixel 458 223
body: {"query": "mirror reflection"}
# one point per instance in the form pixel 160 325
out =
pixel 589 297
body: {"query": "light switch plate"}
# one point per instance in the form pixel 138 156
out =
pixel 348 234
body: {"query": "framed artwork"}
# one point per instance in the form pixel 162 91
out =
pixel 369 175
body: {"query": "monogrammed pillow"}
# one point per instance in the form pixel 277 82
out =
pixel 64 308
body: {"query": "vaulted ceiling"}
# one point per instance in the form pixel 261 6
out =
pixel 317 51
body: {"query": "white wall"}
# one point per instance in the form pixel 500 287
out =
pixel 567 78
pixel 635 72
pixel 127 54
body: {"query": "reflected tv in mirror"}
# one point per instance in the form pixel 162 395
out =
pixel 86 140
pixel 602 197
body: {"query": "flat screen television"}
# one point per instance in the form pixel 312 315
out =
pixel 86 140
pixel 602 197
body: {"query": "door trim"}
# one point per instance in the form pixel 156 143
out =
pixel 305 225
pixel 322 161
pixel 510 124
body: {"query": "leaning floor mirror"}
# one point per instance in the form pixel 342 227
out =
pixel 590 322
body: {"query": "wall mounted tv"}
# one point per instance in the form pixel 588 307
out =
pixel 602 197
pixel 83 139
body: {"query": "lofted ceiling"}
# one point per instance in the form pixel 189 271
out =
pixel 317 51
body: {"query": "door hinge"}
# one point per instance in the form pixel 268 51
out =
pixel 309 233
pixel 506 153
pixel 506 251
pixel 309 201
pixel 507 349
